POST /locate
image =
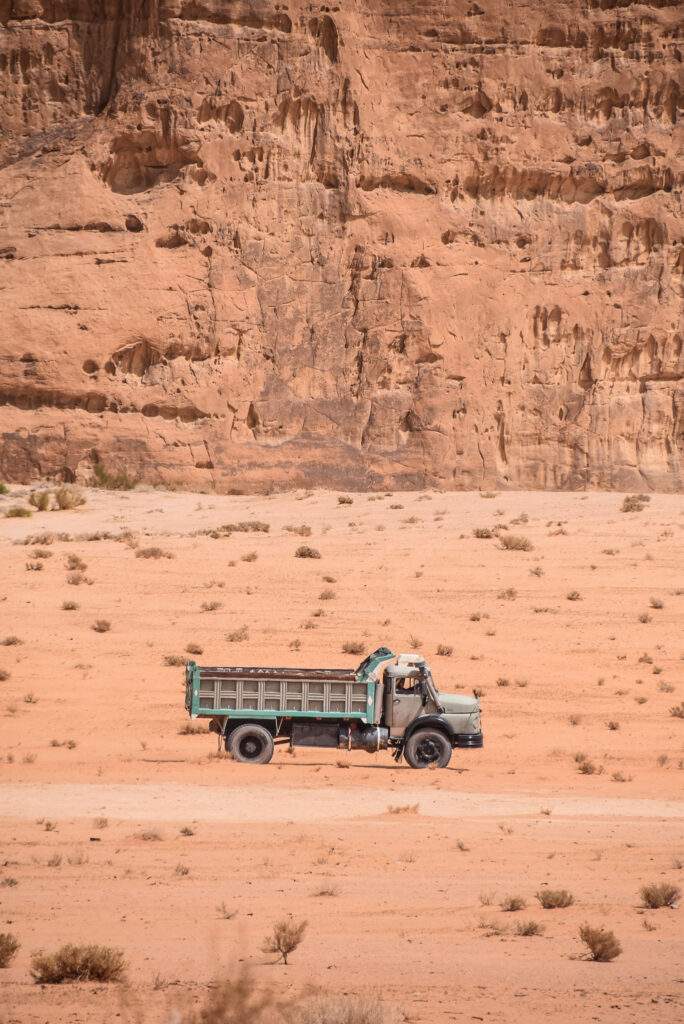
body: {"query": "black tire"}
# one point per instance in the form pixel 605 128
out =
pixel 250 744
pixel 427 747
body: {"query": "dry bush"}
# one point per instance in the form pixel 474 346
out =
pixel 75 579
pixel 527 928
pixel 174 660
pixel 4 675
pixel 502 681
pixel 246 526
pixel 42 553
pixel 18 512
pixel 251 556
pixel 102 626
pixel 100 823
pixel 656 603
pixel 300 531
pixel 211 606
pixel 573 595
pixel 238 635
pixel 677 710
pixel 190 729
pixel 659 894
pixel 75 564
pixel 344 1009
pixel 555 899
pixel 613 725
pixel 194 649
pixel 513 903
pixel 120 481
pixel 152 552
pixel 483 533
pixel 645 618
pixel 78 963
pixel 70 606
pixel 8 948
pixel 512 542
pixel 587 767
pixel 344 499
pixel 509 594
pixel 444 650
pixel 34 566
pixel 353 647
pixel 634 503
pixel 601 943
pixel 11 641
pixel 326 595
pixel 40 500
pixel 4 489
pixel 151 835
pixel 402 808
pixel 304 551
pixel 187 831
pixel 284 939
pixel 68 498
pixel 492 928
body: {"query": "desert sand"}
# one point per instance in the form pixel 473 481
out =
pixel 406 904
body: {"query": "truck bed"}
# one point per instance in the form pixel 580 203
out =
pixel 269 692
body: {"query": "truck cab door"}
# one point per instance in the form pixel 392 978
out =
pixel 404 702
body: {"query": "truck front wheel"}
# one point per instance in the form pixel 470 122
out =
pixel 426 747
pixel 250 744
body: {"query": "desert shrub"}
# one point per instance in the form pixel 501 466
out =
pixel 509 594
pixel 645 618
pixel 174 660
pixel 70 606
pixel 34 566
pixel 152 552
pixel 102 626
pixel 40 500
pixel 602 944
pixel 78 963
pixel 11 641
pixel 42 553
pixel 74 563
pixel 238 635
pixel 151 835
pixel 586 767
pixel 555 899
pixel 247 526
pixel 69 497
pixel 483 533
pixel 444 650
pixel 300 531
pixel 677 710
pixel 285 937
pixel 120 481
pixel 660 894
pixel 191 729
pixel 513 903
pixel 344 499
pixel 75 579
pixel 574 595
pixel 304 551
pixel 613 725
pixel 8 948
pixel 512 542
pixel 352 647
pixel 502 681
pixel 4 489
pixel 326 595
pixel 187 831
pixel 634 502
pixel 4 675
pixel 211 606
pixel 251 556
pixel 18 512
pixel 194 649
pixel 527 928
pixel 402 808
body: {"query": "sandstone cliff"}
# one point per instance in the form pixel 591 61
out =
pixel 377 243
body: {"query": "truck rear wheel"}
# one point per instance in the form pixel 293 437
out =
pixel 426 747
pixel 250 744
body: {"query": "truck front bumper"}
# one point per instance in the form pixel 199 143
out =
pixel 468 739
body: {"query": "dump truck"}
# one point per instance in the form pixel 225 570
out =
pixel 389 702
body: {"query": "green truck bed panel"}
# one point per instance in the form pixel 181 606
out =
pixel 254 693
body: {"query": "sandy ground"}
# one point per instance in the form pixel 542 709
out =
pixel 90 729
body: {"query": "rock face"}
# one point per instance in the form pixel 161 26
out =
pixel 248 244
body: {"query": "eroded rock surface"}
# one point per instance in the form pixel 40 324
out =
pixel 246 244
